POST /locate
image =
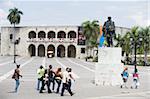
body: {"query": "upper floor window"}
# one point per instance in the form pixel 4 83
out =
pixel 72 34
pixel 32 34
pixel 61 34
pixel 51 34
pixel 41 34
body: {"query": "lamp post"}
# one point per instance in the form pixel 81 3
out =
pixel 15 51
pixel 15 43
pixel 136 42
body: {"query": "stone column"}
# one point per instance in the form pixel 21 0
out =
pixel 55 34
pixel 45 50
pixel 66 52
pixel 36 52
pixel 55 52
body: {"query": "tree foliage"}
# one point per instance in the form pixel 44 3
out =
pixel 14 16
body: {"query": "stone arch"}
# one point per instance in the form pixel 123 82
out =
pixel 41 34
pixel 71 51
pixel 51 34
pixel 61 51
pixel 41 50
pixel 71 34
pixel 32 49
pixel 51 50
pixel 61 34
pixel 32 34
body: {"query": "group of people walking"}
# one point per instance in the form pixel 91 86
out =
pixel 125 76
pixel 49 78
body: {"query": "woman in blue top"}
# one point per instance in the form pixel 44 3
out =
pixel 125 76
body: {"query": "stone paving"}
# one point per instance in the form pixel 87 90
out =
pixel 83 87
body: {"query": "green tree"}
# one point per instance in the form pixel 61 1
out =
pixel 143 46
pixel 125 43
pixel 146 42
pixel 134 33
pixel 14 18
pixel 126 46
pixel 91 32
pixel 119 40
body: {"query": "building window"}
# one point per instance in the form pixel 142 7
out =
pixel 61 34
pixel 72 34
pixel 11 36
pixel 41 34
pixel 32 34
pixel 82 50
pixel 51 34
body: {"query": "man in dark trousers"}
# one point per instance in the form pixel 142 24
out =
pixel 65 81
pixel 51 75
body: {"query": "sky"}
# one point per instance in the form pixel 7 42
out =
pixel 125 13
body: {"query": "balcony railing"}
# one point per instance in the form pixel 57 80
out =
pixel 52 40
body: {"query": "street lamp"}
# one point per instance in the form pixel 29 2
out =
pixel 135 42
pixel 15 43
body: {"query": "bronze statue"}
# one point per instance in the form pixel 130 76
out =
pixel 109 31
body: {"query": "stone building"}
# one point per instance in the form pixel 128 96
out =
pixel 60 41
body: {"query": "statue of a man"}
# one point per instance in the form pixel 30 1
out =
pixel 109 31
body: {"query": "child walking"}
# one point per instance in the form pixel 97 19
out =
pixel 125 76
pixel 135 79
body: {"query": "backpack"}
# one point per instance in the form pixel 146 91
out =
pixel 14 75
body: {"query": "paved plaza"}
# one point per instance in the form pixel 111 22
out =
pixel 83 87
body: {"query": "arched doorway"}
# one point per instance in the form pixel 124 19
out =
pixel 71 51
pixel 32 50
pixel 60 51
pixel 41 50
pixel 50 51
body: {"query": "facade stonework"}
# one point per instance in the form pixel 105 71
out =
pixel 61 41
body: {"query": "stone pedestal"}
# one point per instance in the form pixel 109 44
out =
pixel 108 69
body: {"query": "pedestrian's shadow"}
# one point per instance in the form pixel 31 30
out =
pixel 12 92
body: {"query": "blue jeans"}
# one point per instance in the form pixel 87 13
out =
pixel 38 84
pixel 17 84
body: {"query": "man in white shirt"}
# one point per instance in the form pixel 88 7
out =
pixel 71 78
pixel 65 81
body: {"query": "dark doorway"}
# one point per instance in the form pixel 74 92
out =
pixel 41 50
pixel 50 51
pixel 60 51
pixel 32 50
pixel 71 51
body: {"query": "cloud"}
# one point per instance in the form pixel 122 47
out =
pixel 149 22
pixel 2 14
pixel 5 5
pixel 9 3
pixel 140 19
